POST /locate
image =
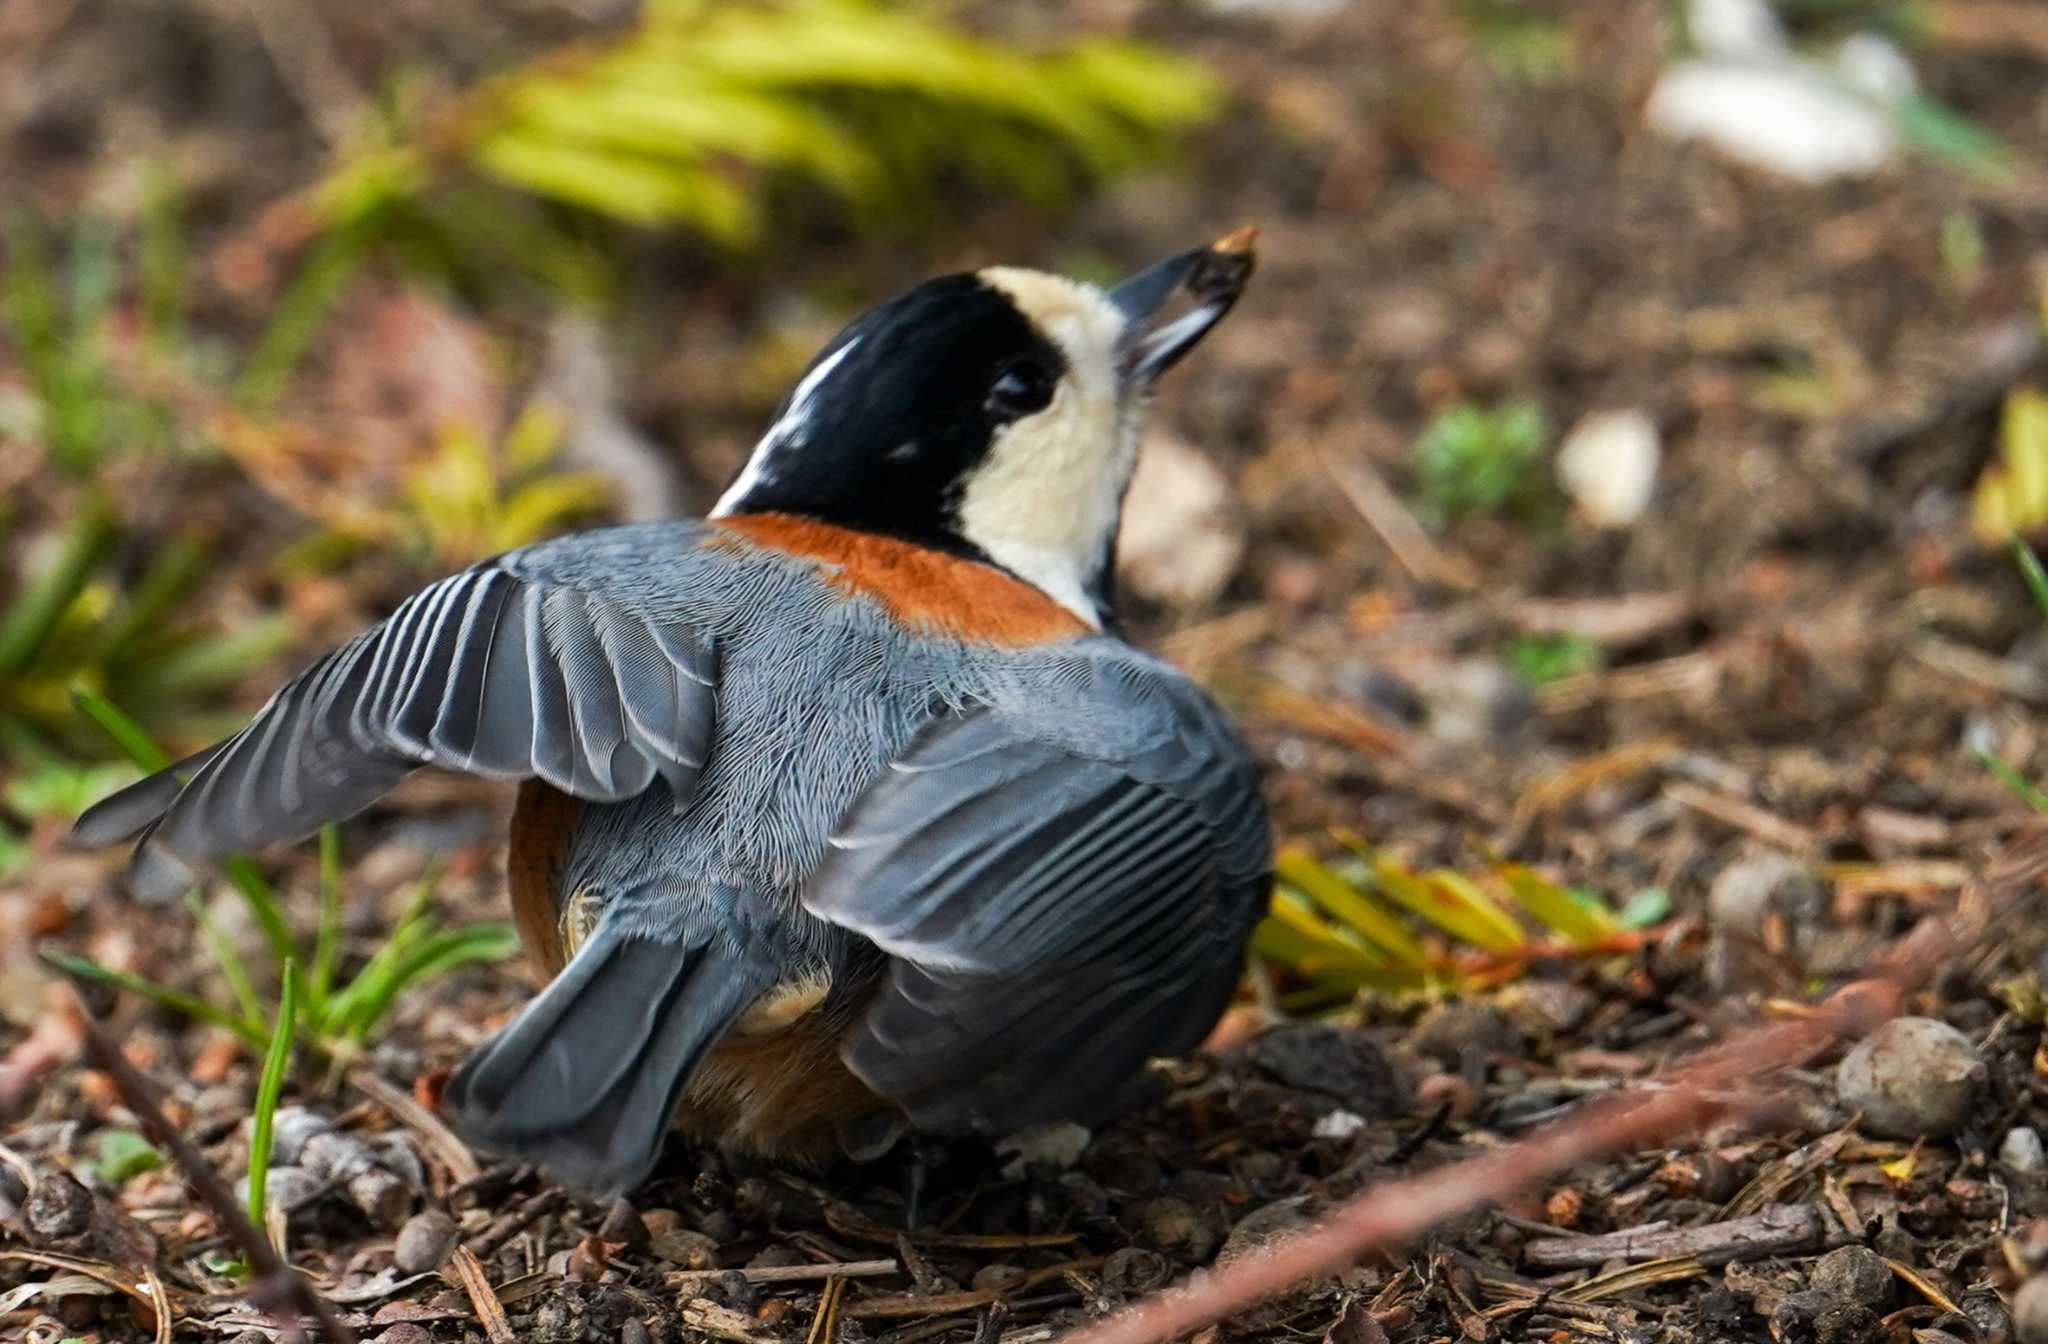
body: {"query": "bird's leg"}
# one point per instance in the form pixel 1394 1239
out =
pixel 917 1170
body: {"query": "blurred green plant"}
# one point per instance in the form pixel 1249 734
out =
pixel 72 624
pixel 334 1020
pixel 106 349
pixel 1962 251
pixel 124 1155
pixel 466 502
pixel 2036 579
pixel 1941 133
pixel 704 115
pixel 1541 659
pixel 59 315
pixel 277 1057
pixel 1520 39
pixel 1472 459
pixel 2011 495
pixel 1373 923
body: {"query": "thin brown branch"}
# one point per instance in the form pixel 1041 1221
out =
pixel 469 1272
pixel 277 1285
pixel 1713 1084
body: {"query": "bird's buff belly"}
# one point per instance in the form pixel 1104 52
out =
pixel 776 1084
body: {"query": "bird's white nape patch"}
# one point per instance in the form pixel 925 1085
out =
pixel 1044 502
pixel 789 433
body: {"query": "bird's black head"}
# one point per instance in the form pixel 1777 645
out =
pixel 994 413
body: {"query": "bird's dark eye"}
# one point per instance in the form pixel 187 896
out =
pixel 1022 388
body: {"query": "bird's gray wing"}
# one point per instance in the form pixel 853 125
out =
pixel 1060 906
pixel 559 661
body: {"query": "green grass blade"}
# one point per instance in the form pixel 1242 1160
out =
pixel 171 574
pixel 33 614
pixel 1356 909
pixel 2015 782
pixel 1452 904
pixel 437 955
pixel 268 1088
pixel 29 301
pixel 2031 571
pixel 1556 908
pixel 229 961
pixel 176 1000
pixel 123 731
pixel 296 319
pixel 208 664
pixel 262 902
pixel 327 936
pixel 340 1007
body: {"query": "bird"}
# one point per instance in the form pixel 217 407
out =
pixel 846 806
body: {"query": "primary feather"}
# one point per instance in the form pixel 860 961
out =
pixel 557 662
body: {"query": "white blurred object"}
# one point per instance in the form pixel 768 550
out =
pixel 1875 66
pixel 1752 96
pixel 577 380
pixel 1338 1125
pixel 1608 465
pixel 1182 537
pixel 1058 1143
pixel 1746 29
pixel 1793 117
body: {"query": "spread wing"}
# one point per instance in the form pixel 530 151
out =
pixel 556 661
pixel 1059 911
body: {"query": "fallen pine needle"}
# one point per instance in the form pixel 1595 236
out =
pixel 469 1273
pixel 850 1269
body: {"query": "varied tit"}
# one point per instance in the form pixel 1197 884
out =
pixel 844 806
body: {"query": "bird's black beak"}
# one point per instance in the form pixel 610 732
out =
pixel 1212 276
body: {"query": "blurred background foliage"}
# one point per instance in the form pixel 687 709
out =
pixel 257 380
pixel 716 117
pixel 722 121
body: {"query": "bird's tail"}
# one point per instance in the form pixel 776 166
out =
pixel 583 1082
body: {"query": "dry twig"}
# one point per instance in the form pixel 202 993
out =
pixel 469 1272
pixel 276 1284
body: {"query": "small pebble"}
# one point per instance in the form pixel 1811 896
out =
pixel 1058 1145
pixel 622 1226
pixel 1178 1228
pixel 424 1243
pixel 998 1278
pixel 1258 1228
pixel 1608 465
pixel 1446 1032
pixel 2030 1311
pixel 1913 1077
pixel 1817 1318
pixel 59 1209
pixel 1341 1064
pixel 690 1250
pixel 1338 1125
pixel 1545 1007
pixel 1988 1315
pixel 1137 1270
pixel 2022 1151
pixel 405 1332
pixel 1749 889
pixel 1854 1274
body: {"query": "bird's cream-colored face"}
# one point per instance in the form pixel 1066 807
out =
pixel 993 413
pixel 1044 503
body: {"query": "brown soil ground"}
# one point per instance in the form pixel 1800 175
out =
pixel 1802 647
